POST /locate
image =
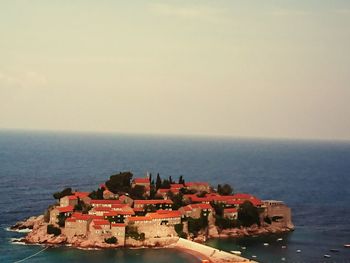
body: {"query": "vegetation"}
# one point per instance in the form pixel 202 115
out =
pixel 119 182
pixel 248 214
pixel 179 230
pixel 197 224
pixel 223 222
pixel 61 219
pixel 53 230
pixel 81 206
pixel 111 240
pixel 225 189
pixel 63 193
pixel 98 194
pixel 132 232
pixel 181 180
pixel 137 192
pixel 219 208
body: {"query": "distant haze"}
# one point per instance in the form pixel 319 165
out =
pixel 237 68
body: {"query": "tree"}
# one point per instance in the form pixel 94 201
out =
pixel 171 180
pixel 53 230
pixel 63 193
pixel 158 182
pixel 248 214
pixel 165 184
pixel 137 192
pixel 119 182
pixel 181 180
pixel 226 189
pixel 61 219
pixel 111 240
pixel 97 195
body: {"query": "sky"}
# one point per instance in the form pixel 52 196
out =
pixel 274 69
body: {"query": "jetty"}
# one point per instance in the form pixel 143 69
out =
pixel 209 254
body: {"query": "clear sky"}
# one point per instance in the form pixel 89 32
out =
pixel 238 68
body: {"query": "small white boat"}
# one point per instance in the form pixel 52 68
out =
pixel 298 251
pixel 236 252
pixel 327 256
pixel 284 247
pixel 347 245
pixel 279 239
pixel 283 259
pixel 243 248
pixel 266 244
pixel 253 256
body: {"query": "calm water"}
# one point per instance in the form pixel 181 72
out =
pixel 311 177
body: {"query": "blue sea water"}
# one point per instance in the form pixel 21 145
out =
pixel 312 177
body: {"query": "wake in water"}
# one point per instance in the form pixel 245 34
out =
pixel 24 230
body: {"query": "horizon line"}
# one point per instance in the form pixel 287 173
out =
pixel 189 135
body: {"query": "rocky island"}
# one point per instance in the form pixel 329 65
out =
pixel 143 212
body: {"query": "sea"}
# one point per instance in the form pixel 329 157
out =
pixel 312 177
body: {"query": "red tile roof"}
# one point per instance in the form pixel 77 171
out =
pixel 153 202
pixel 102 202
pixel 97 227
pixel 70 219
pixel 65 209
pixel 141 180
pixel 170 214
pixel 102 209
pixel 81 194
pixel 176 186
pixel 118 225
pixel 72 197
pixel 83 217
pixel 230 210
pixel 100 222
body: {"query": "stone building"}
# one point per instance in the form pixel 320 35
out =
pixel 278 212
pixel 68 200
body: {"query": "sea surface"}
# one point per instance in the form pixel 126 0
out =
pixel 312 177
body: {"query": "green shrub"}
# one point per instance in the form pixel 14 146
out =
pixel 53 230
pixel 111 240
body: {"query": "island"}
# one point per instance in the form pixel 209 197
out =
pixel 155 212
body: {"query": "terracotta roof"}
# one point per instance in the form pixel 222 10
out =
pixel 152 202
pixel 100 222
pixel 170 214
pixel 118 225
pixel 111 202
pixel 121 212
pixel 242 196
pixel 81 194
pixel 230 210
pixel 72 197
pixel 140 218
pixel 102 209
pixel 70 219
pixel 97 227
pixel 177 186
pixel 138 209
pixel 141 180
pixel 65 209
pixel 83 217
pixel 235 202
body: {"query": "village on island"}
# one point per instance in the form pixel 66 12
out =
pixel 154 212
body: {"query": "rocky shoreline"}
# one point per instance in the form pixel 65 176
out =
pixel 38 235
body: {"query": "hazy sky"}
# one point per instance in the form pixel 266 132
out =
pixel 240 68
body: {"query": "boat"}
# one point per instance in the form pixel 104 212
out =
pixel 253 256
pixel 283 259
pixel 284 247
pixel 236 252
pixel 298 251
pixel 243 248
pixel 279 239
pixel 327 256
pixel 266 244
pixel 347 245
pixel 334 250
